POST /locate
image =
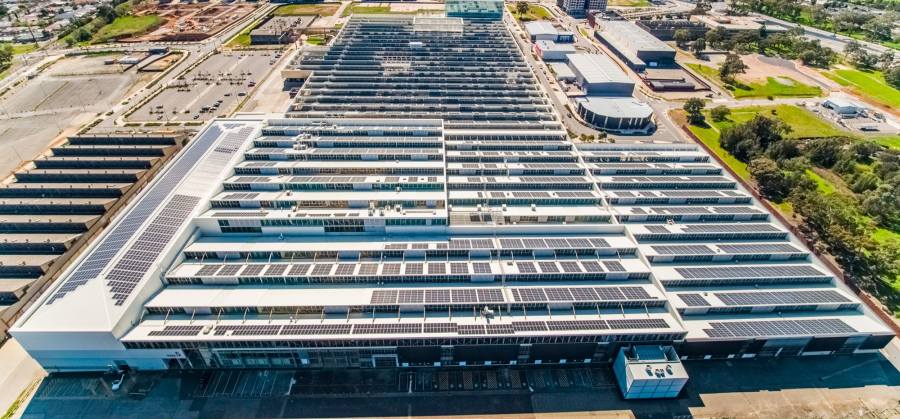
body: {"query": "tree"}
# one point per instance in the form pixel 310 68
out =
pixel 892 76
pixel 825 152
pixel 694 109
pixel 6 55
pixel 701 7
pixel 521 7
pixel 748 140
pixel 732 66
pixel 682 37
pixel 717 38
pixel 886 60
pixel 698 46
pixel 771 180
pixel 719 113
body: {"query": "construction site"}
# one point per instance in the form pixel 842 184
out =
pixel 189 22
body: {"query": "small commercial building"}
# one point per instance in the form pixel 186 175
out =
pixel 844 106
pixel 736 24
pixel 552 51
pixel 562 71
pixel 649 372
pixel 665 29
pixel 280 30
pixel 542 30
pixel 625 115
pixel 599 75
pixel 634 45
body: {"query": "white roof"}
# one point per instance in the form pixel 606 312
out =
pixel 596 68
pixel 617 107
pixel 843 101
pixel 545 46
pixel 540 27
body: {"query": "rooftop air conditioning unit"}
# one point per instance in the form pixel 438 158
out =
pixel 533 207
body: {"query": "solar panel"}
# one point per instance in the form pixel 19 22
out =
pixel 389 328
pixel 499 329
pixel 490 295
pixel 526 267
pixel 459 268
pixel 437 296
pixel 414 269
pixel 228 270
pixel 481 268
pixel 316 329
pixel 298 270
pixel 345 269
pixel 172 330
pixel 368 269
pixel 693 300
pixel 464 296
pixel 781 297
pixel 558 294
pixel 548 267
pixel 275 270
pixel 565 325
pixel 570 267
pixel 609 293
pixel 411 296
pixel 637 324
pixel 470 329
pixel 529 294
pixel 437 268
pixel 781 271
pixel 208 270
pixel 530 326
pixel 592 267
pixel 771 328
pixel 583 294
pixel 252 270
pixel 635 293
pixel 384 297
pixel 613 266
pixel 247 330
pixel 321 269
pixel 390 269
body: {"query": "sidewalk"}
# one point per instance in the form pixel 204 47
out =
pixel 17 372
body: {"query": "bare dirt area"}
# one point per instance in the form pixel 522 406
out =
pixel 760 68
pixel 190 21
pixel 57 102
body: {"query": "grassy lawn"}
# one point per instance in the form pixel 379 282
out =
pixel 322 9
pixel 127 26
pixel 709 135
pixel 868 84
pixel 822 185
pixel 535 12
pixel 315 40
pixel 242 39
pixel 890 141
pixel 804 123
pixel 19 49
pixel 360 9
pixel 773 86
pixel 629 3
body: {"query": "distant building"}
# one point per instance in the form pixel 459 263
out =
pixel 545 31
pixel 665 29
pixel 649 372
pixel 844 106
pixel 636 46
pixel 551 51
pixel 280 30
pixel 580 8
pixel 477 9
pixel 734 24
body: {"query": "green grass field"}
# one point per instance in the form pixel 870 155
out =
pixel 535 12
pixel 709 135
pixel 242 39
pixel 869 84
pixel 804 124
pixel 127 26
pixel 890 141
pixel 315 40
pixel 629 3
pixel 19 49
pixel 322 9
pixel 358 9
pixel 822 185
pixel 773 87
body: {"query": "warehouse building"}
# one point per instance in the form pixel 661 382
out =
pixel 634 45
pixel 542 30
pixel 598 75
pixel 370 229
pixel 280 30
pixel 552 51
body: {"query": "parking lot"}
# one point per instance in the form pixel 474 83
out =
pixel 57 101
pixel 814 387
pixel 213 88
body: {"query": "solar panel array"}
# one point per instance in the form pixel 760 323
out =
pixel 726 272
pixel 771 328
pixel 781 297
pixel 573 294
pixel 143 252
pixel 115 239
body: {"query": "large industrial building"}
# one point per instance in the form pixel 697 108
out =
pixel 597 74
pixel 636 46
pixel 421 205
